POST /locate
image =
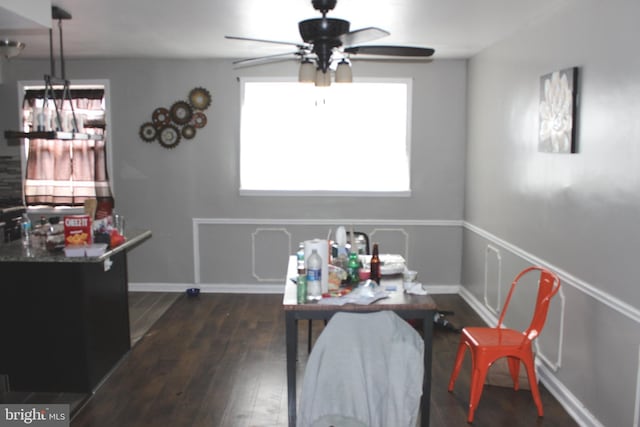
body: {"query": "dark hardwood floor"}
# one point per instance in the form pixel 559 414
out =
pixel 219 360
pixel 145 308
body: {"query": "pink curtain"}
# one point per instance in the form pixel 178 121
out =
pixel 67 172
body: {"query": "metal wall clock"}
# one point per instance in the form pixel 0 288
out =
pixel 181 120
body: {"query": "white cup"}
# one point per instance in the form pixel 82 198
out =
pixel 410 276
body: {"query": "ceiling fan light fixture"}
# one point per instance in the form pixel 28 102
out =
pixel 343 72
pixel 323 78
pixel 10 48
pixel 307 72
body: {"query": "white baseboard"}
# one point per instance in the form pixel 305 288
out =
pixel 211 288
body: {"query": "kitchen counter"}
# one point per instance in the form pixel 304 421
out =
pixel 64 321
pixel 14 252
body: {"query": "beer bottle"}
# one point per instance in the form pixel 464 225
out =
pixel 375 264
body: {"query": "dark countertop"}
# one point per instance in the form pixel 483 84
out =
pixel 14 252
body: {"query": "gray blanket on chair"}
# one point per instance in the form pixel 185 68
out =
pixel 366 369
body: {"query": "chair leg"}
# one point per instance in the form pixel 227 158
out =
pixel 309 342
pixel 458 364
pixel 478 376
pixel 514 369
pixel 533 384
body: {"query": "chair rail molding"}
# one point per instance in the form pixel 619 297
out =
pixel 567 278
pixel 330 222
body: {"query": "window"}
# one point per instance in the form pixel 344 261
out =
pixel 345 139
pixel 65 172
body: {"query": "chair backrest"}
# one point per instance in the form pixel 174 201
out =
pixel 362 242
pixel 548 286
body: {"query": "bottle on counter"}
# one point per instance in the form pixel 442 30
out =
pixel 25 227
pixel 301 289
pixel 375 264
pixel 300 258
pixel 314 274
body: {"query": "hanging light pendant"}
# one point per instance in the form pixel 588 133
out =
pixel 323 78
pixel 10 48
pixel 343 72
pixel 307 72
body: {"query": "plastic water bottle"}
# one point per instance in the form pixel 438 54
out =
pixel 25 226
pixel 314 274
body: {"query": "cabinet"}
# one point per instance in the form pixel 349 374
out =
pixel 64 321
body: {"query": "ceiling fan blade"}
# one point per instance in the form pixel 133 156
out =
pixel 268 58
pixel 407 51
pixel 362 35
pixel 298 45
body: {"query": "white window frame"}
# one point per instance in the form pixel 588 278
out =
pixel 23 86
pixel 357 171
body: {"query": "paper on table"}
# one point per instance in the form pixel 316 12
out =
pixel 414 288
pixel 357 296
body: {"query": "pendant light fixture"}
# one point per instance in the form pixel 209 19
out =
pixel 10 48
pixel 323 78
pixel 343 72
pixel 307 72
pixel 57 90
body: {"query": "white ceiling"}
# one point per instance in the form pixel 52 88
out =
pixel 196 28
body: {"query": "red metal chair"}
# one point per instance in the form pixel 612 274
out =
pixel 487 344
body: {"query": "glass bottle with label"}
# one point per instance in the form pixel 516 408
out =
pixel 375 264
pixel 353 268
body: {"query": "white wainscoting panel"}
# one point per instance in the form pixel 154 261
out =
pixel 493 276
pixel 268 248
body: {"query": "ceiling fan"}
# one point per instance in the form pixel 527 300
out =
pixel 326 39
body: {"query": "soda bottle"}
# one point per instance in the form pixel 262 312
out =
pixel 375 264
pixel 353 268
pixel 314 273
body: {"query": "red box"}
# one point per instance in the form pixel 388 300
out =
pixel 77 230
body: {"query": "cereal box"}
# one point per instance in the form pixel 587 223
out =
pixel 77 230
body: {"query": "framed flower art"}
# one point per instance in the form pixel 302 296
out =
pixel 558 111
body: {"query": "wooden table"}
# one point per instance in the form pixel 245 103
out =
pixel 405 305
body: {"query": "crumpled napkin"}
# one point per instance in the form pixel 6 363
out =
pixel 414 288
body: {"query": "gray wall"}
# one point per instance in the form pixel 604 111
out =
pixel 575 213
pixel 164 190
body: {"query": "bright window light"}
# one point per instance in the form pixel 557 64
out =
pixel 299 139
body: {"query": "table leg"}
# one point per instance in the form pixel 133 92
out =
pixel 291 333
pixel 427 335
